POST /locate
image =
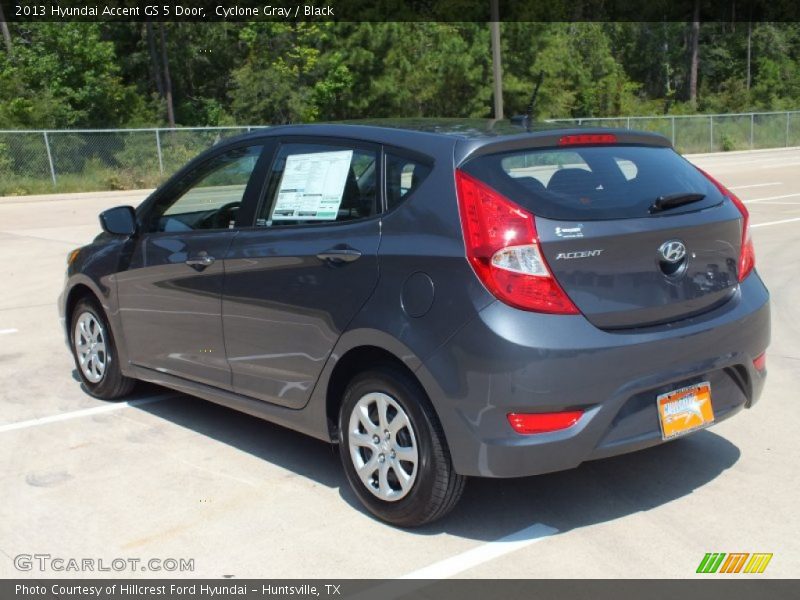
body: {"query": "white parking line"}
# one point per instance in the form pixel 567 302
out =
pixel 83 413
pixel 771 198
pixel 484 553
pixel 778 166
pixel 760 164
pixel 752 185
pixel 729 167
pixel 7 331
pixel 775 222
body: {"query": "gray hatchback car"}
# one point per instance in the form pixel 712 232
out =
pixel 441 300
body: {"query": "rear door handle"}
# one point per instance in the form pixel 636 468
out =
pixel 201 261
pixel 339 255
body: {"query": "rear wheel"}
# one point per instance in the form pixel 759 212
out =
pixel 96 354
pixel 393 450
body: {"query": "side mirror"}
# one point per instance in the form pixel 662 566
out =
pixel 120 220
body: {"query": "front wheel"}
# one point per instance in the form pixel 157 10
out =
pixel 96 354
pixel 393 450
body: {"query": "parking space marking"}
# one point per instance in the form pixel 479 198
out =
pixel 484 553
pixel 779 166
pixel 753 185
pixel 7 331
pixel 76 414
pixel 771 198
pixel 26 306
pixel 727 167
pixel 761 163
pixel 775 222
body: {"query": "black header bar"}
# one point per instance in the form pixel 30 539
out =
pixel 705 588
pixel 399 10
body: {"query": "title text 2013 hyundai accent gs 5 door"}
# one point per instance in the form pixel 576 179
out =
pixel 440 303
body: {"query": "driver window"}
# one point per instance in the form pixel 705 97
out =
pixel 208 197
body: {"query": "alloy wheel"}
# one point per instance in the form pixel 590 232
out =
pixel 383 446
pixel 89 340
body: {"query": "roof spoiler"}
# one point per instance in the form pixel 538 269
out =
pixel 552 139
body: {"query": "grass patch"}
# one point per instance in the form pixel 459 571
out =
pixel 94 179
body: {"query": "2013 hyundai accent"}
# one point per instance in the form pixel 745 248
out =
pixel 441 302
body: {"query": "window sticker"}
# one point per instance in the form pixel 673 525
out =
pixel 312 186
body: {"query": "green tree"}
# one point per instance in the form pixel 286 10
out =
pixel 112 74
pixel 776 71
pixel 582 77
pixel 426 69
pixel 62 75
pixel 286 77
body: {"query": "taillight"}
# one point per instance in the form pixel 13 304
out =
pixel 503 248
pixel 760 362
pixel 747 255
pixel 528 423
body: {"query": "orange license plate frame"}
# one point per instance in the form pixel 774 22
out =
pixel 685 410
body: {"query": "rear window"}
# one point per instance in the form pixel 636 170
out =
pixel 594 182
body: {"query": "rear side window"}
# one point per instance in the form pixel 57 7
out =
pixel 403 176
pixel 595 182
pixel 320 183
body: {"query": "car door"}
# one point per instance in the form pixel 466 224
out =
pixel 170 295
pixel 298 277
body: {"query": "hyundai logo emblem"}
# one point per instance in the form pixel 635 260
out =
pixel 672 251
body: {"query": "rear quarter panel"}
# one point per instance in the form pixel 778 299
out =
pixel 422 263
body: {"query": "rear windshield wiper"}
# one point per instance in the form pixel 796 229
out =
pixel 673 200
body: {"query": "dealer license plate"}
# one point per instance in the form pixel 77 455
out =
pixel 685 410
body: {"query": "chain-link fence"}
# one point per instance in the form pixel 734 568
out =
pixel 41 161
pixel 713 133
pixel 34 162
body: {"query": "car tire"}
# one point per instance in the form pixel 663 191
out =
pixel 95 352
pixel 386 417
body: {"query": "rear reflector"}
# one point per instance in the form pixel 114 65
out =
pixel 760 361
pixel 527 423
pixel 586 139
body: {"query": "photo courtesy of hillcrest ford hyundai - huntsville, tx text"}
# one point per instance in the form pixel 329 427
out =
pixel 441 299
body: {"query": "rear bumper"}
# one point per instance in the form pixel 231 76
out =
pixel 507 360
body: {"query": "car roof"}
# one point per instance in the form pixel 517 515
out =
pixel 460 138
pixel 476 128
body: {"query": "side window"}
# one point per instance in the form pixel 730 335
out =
pixel 209 196
pixel 403 176
pixel 320 183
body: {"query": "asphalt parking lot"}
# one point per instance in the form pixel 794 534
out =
pixel 170 476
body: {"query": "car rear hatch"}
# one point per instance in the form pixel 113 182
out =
pixel 631 231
